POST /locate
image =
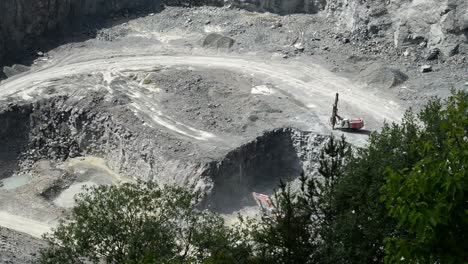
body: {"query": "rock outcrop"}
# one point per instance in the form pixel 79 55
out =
pixel 280 154
pixel 441 24
pixel 432 23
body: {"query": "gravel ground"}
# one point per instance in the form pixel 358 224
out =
pixel 303 37
pixel 16 247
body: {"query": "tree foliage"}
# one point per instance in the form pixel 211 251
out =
pixel 140 223
pixel 428 196
pixel 287 236
pixel 301 230
pixel 321 193
pixel 362 221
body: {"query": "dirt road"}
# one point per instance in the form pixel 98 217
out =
pixel 310 84
pixel 25 225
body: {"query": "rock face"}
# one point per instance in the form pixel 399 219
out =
pixel 55 129
pixel 439 24
pixel 23 22
pixel 281 154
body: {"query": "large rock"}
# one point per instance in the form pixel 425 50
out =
pixel 433 54
pixel 439 22
pixel 14 70
pixel 426 68
pixel 218 41
pixel 382 77
pixel 9 71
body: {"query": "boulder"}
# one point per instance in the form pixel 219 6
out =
pixel 382 77
pixel 433 54
pixel 218 41
pixel 20 68
pixel 14 70
pixel 426 68
pixel 450 49
pixel 462 17
pixel 9 71
pixel 299 47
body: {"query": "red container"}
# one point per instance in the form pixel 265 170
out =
pixel 356 124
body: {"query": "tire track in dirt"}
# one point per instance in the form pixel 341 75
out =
pixel 310 84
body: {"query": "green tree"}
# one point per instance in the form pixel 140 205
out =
pixel 362 221
pixel 320 193
pixel 301 229
pixel 428 196
pixel 287 236
pixel 140 223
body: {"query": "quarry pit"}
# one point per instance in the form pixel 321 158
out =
pixel 229 99
pixel 227 125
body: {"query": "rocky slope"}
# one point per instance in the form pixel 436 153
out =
pixel 57 129
pixel 437 24
pixel 16 247
pixel 441 25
